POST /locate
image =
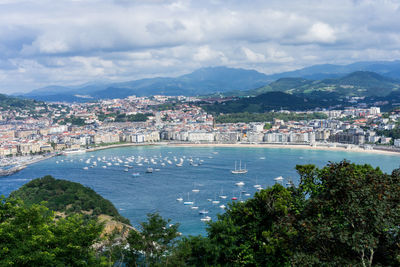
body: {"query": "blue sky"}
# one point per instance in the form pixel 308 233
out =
pixel 59 42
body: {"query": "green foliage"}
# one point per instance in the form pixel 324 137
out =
pixel 30 236
pixel 351 218
pixel 122 117
pixel 269 116
pixel 359 83
pixel 267 126
pixel 394 133
pixel 267 102
pixel 17 103
pixel 138 117
pixel 65 196
pixel 74 121
pixel 151 246
pixel 341 215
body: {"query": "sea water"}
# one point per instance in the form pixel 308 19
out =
pixel 136 196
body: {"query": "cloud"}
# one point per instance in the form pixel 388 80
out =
pixel 64 42
pixel 320 33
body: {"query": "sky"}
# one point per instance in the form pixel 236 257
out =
pixel 60 42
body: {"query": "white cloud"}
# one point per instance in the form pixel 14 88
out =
pixel 320 32
pixel 69 42
pixel 253 56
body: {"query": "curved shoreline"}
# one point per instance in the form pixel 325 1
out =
pixel 339 147
pixel 291 146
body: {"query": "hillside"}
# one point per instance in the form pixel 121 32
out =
pixel 359 83
pixel 267 102
pixel 66 197
pixel 8 102
pixel 323 71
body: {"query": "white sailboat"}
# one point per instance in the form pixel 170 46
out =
pixel 222 196
pixel 188 202
pixel 240 170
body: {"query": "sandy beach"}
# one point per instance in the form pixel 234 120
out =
pixel 327 148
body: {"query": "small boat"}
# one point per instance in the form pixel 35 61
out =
pixel 222 206
pixel 215 201
pixel 206 219
pixel 222 196
pixel 234 198
pixel 279 178
pixel 188 202
pixel 126 170
pixel 203 211
pixel 247 194
pixel 195 190
pixel 239 183
pixel 85 168
pixel 149 170
pixel 180 199
pixel 194 207
pixel 135 174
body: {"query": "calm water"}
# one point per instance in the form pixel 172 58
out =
pixel 158 191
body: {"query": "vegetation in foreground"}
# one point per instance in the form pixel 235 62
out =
pixel 66 197
pixel 341 215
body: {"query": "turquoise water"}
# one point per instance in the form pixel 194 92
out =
pixel 158 191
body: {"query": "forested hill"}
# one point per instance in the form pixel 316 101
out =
pixel 66 197
pixel 267 102
pixel 359 83
pixel 8 102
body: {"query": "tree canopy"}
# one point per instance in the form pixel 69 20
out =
pixel 341 215
pixel 66 196
pixel 30 236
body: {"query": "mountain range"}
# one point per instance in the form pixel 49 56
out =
pixel 378 78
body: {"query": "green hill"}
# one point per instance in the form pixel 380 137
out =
pixel 66 197
pixel 8 102
pixel 359 83
pixel 267 102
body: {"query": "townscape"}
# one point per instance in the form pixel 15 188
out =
pixel 47 129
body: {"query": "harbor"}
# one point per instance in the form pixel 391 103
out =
pixel 205 172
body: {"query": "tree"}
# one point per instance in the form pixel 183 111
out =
pixel 154 243
pixel 341 215
pixel 30 236
pixel 352 216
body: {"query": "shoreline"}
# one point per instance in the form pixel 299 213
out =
pixel 292 146
pixel 340 147
pixel 328 147
pixel 121 145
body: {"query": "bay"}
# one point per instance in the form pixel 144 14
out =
pixel 135 196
